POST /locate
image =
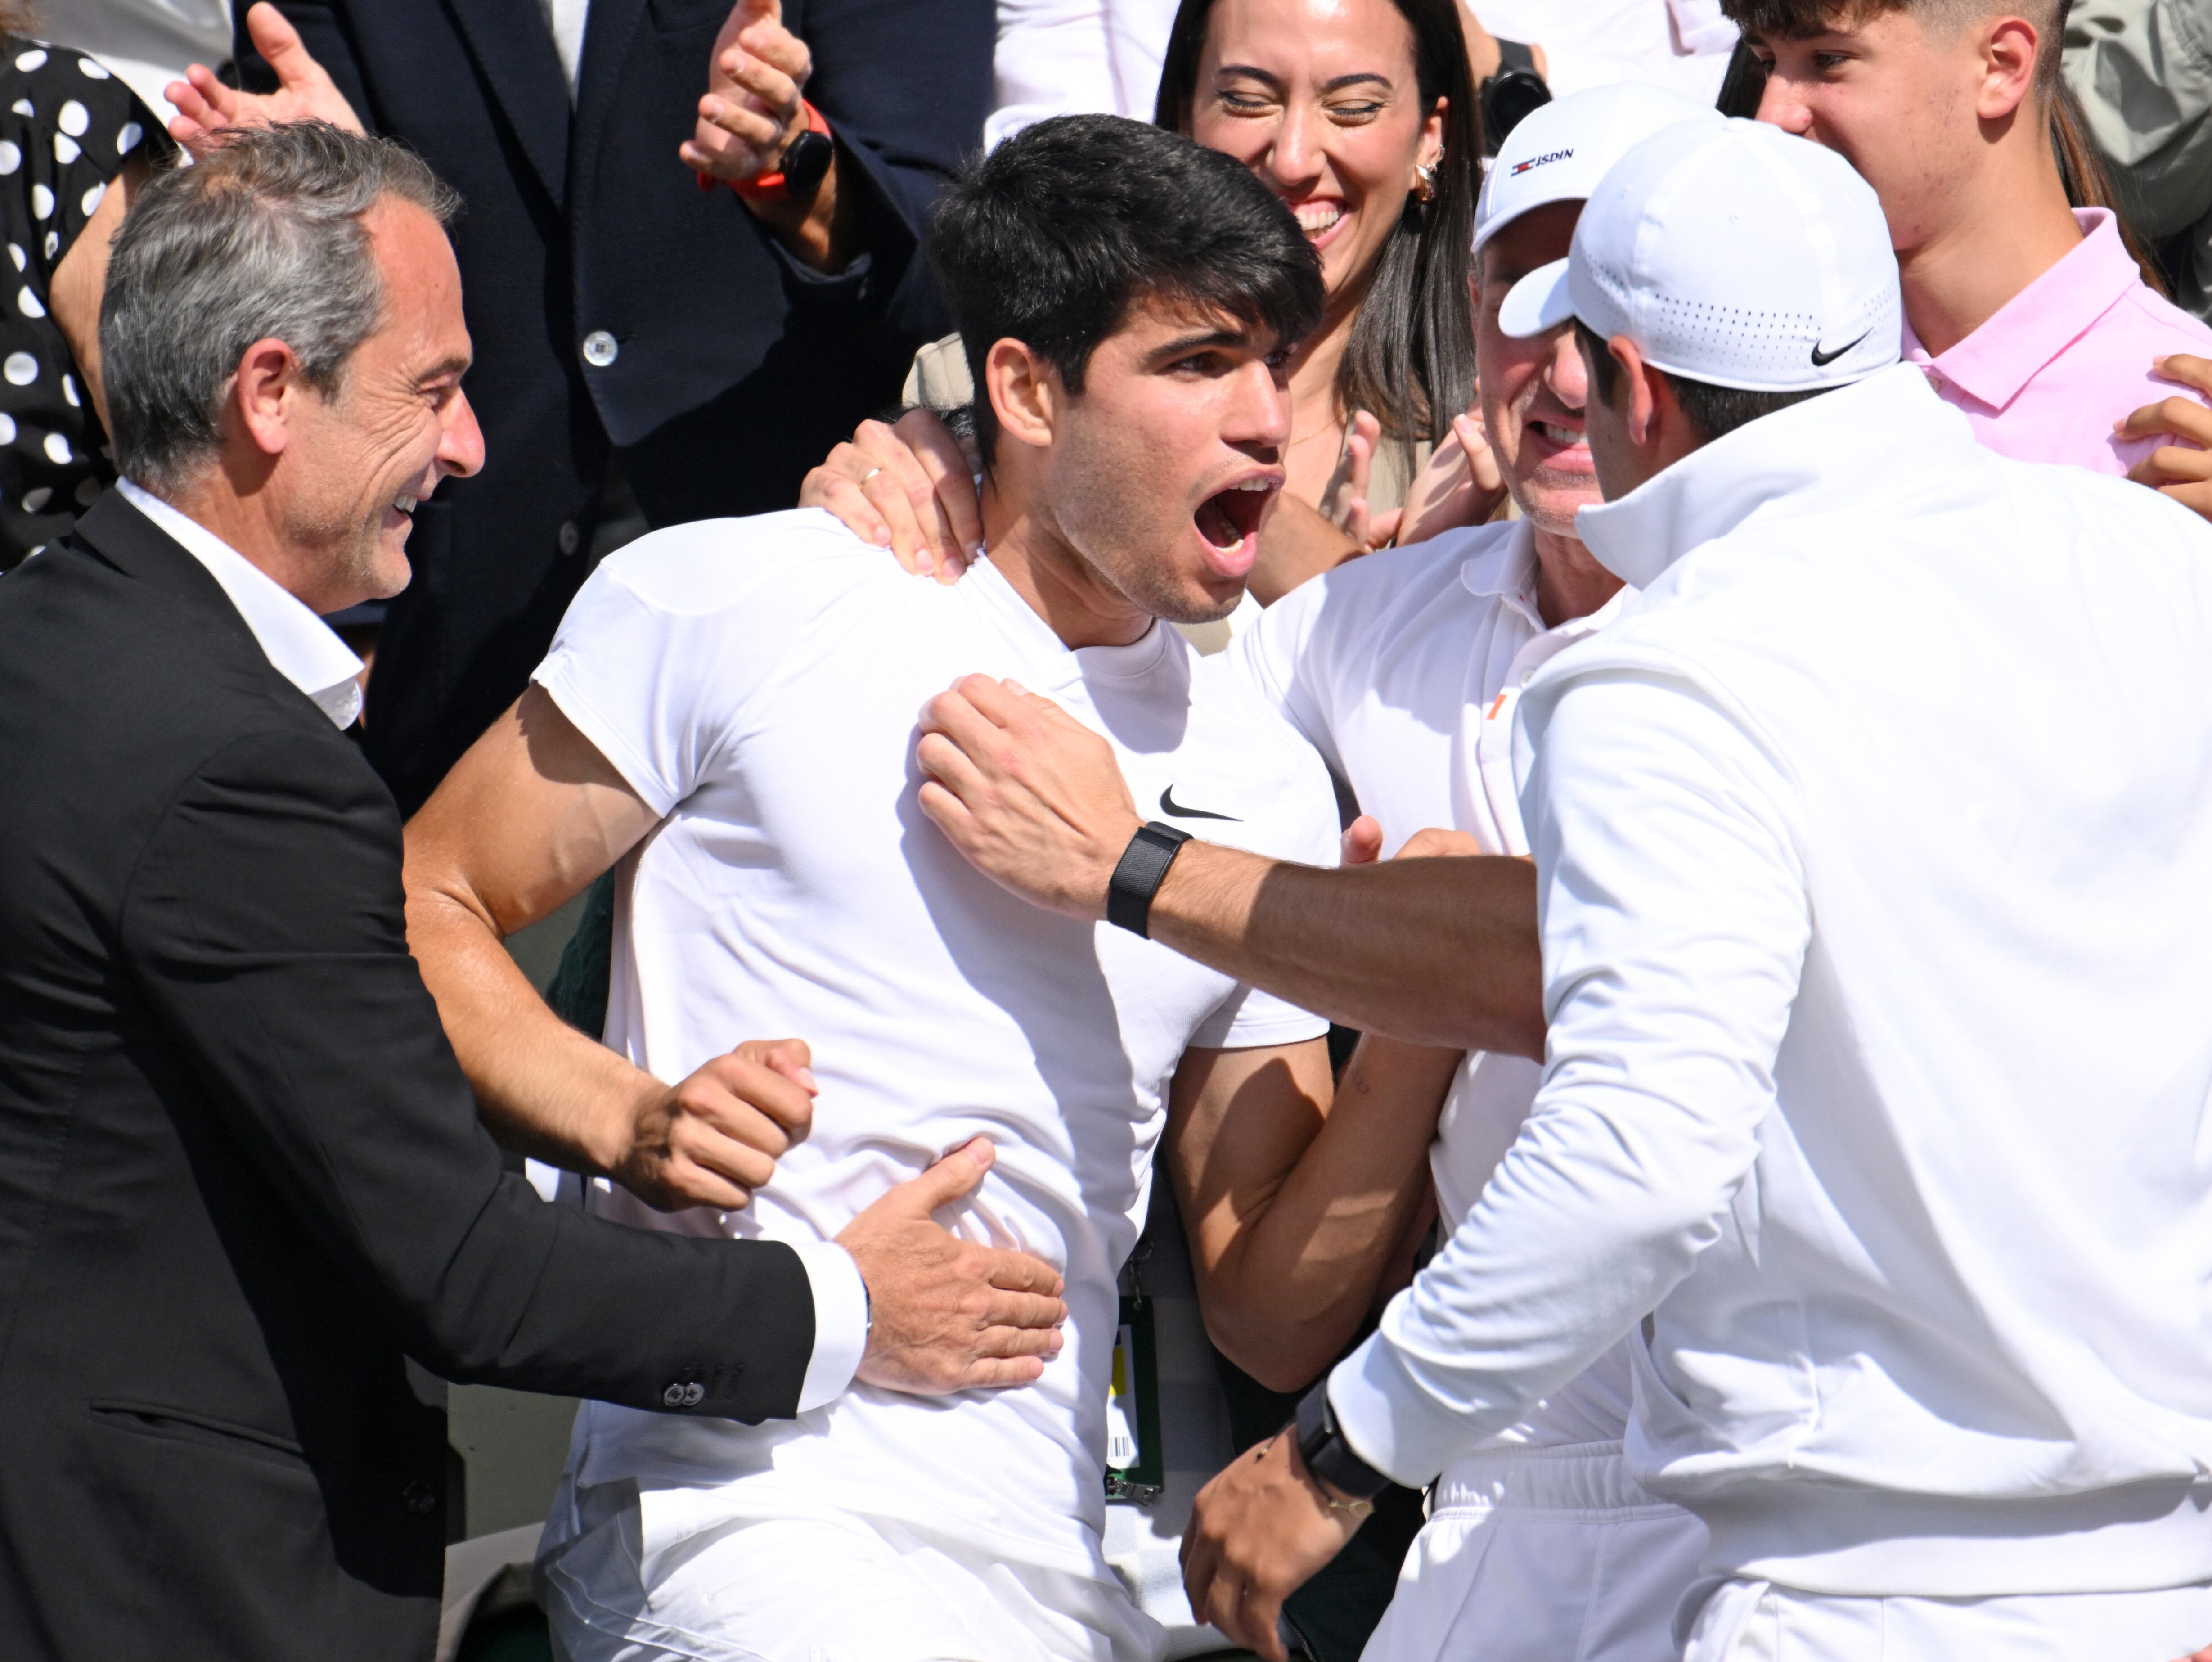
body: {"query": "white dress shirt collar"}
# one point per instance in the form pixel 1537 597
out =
pixel 1794 456
pixel 298 645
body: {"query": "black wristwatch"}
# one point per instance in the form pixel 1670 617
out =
pixel 1137 878
pixel 1327 1455
pixel 806 164
pixel 1509 95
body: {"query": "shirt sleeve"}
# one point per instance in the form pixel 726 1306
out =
pixel 659 730
pixel 1249 1019
pixel 840 1322
pixel 1675 924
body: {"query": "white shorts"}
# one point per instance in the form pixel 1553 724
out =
pixel 1542 1555
pixel 830 1589
pixel 1754 1621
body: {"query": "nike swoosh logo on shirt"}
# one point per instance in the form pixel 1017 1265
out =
pixel 1822 360
pixel 1167 805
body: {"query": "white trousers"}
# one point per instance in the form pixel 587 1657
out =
pixel 1754 1621
pixel 836 1589
pixel 1541 1555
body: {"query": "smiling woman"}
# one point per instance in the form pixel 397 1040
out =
pixel 1357 114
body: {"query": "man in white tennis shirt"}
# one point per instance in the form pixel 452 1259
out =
pixel 1875 849
pixel 730 707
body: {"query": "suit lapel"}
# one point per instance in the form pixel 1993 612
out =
pixel 114 531
pixel 609 29
pixel 515 50
pixel 136 546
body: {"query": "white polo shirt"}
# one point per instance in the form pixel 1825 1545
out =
pixel 1402 669
pixel 1874 846
pixel 757 683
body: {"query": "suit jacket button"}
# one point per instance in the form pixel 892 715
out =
pixel 419 1498
pixel 673 1395
pixel 571 538
pixel 694 1394
pixel 600 349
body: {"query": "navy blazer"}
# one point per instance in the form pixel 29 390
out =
pixel 735 371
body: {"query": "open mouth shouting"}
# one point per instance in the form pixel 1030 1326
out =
pixel 1227 522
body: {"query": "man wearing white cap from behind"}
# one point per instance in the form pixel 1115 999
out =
pixel 1875 854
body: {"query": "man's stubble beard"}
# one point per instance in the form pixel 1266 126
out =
pixel 1145 584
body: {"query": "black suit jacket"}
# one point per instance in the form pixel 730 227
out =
pixel 734 374
pixel 241 1177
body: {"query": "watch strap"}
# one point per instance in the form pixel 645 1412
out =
pixel 777 183
pixel 1516 55
pixel 1143 867
pixel 1322 1446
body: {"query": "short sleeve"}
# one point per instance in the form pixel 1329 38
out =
pixel 644 674
pixel 1249 1019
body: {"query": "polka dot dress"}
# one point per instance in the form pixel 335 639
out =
pixel 66 126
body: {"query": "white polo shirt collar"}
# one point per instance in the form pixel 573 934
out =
pixel 300 646
pixel 1787 463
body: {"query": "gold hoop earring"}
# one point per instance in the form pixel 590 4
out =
pixel 1425 187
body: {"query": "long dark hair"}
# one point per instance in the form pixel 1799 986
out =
pixel 1411 356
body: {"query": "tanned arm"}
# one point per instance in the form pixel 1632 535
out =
pixel 529 817
pixel 1440 952
pixel 81 280
pixel 1294 1208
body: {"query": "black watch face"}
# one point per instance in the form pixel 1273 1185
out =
pixel 806 162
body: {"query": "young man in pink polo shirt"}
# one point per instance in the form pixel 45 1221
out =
pixel 2026 313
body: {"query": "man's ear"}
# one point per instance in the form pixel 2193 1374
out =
pixel 1645 389
pixel 1025 390
pixel 265 394
pixel 2007 52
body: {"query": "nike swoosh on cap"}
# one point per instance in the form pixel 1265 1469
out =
pixel 1822 360
pixel 1167 805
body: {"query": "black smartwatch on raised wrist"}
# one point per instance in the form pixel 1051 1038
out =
pixel 1137 878
pixel 1322 1446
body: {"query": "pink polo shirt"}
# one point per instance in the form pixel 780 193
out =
pixel 2067 357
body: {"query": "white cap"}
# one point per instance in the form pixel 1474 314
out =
pixel 1735 255
pixel 1560 150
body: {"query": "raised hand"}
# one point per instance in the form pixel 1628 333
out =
pixel 1345 503
pixel 715 1137
pixel 946 1314
pixel 1461 484
pixel 304 90
pixel 908 486
pixel 751 111
pixel 2183 471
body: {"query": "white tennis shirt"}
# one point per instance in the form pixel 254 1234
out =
pixel 1402 669
pixel 1875 847
pixel 757 683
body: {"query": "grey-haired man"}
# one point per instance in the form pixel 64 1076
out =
pixel 244 1192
